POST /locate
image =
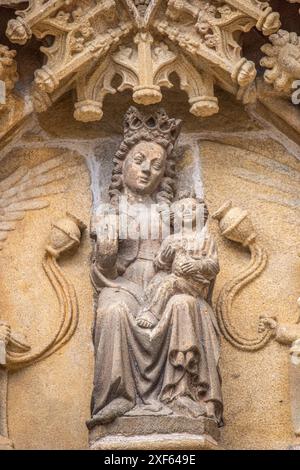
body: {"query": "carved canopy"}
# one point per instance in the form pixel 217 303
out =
pixel 89 42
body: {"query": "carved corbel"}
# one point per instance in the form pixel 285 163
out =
pixel 148 69
pixel 199 88
pixel 283 60
pixel 233 72
pixel 206 36
pixel 91 90
pixel 41 16
pixel 140 67
pixel 213 36
pixel 76 41
pixel 144 69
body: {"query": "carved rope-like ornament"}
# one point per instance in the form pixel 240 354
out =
pixel 236 225
pixel 65 236
pixel 15 353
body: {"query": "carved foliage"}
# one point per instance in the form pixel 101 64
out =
pixel 283 60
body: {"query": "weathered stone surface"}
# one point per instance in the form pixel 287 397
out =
pixel 29 304
pixel 247 154
pixel 157 442
pixel 150 432
pixel 99 35
pixel 158 337
pixel 263 177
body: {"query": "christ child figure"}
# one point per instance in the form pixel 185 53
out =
pixel 187 261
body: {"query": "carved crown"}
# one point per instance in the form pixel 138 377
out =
pixel 153 125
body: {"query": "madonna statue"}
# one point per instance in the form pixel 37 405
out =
pixel 152 361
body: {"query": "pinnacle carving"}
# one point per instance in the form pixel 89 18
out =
pixel 142 41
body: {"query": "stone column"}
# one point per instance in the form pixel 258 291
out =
pixel 5 442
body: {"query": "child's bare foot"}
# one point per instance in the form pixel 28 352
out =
pixel 210 410
pixel 146 319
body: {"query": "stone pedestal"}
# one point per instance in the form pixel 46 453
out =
pixel 156 433
pixel 6 444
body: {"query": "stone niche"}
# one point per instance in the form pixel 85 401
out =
pixel 231 155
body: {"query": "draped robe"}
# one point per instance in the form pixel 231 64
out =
pixel 150 369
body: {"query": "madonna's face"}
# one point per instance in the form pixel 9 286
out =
pixel 144 167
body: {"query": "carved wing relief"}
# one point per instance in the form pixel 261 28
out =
pixel 26 190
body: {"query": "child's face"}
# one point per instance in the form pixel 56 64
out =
pixel 189 212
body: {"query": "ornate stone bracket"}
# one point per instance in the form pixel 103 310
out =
pixel 92 45
pixel 211 38
pixel 235 225
pixel 288 334
pixel 14 352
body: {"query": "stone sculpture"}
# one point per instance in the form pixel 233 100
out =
pixel 236 225
pixel 143 43
pixel 166 371
pixel 282 60
pixel 185 255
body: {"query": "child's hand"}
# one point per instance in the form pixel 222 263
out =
pixel 168 252
pixel 189 267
